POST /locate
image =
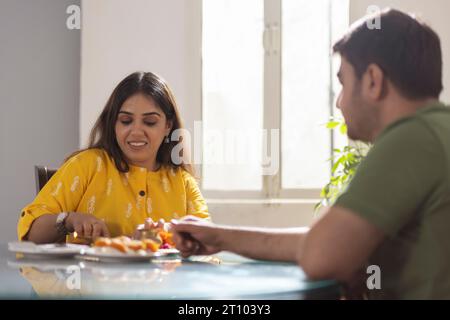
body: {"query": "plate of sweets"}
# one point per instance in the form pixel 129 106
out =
pixel 125 249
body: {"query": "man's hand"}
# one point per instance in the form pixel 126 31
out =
pixel 86 225
pixel 193 236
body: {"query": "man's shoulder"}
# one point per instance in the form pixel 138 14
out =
pixel 407 164
pixel 426 131
pixel 424 127
pixel 412 140
pixel 436 119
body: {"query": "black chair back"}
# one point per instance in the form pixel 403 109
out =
pixel 42 175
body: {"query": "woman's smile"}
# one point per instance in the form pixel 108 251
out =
pixel 137 145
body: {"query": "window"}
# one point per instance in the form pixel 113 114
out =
pixel 268 65
pixel 233 69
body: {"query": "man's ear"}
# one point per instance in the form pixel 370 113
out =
pixel 374 82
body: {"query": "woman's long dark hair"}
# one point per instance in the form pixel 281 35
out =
pixel 103 134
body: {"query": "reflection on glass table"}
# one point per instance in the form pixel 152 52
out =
pixel 223 276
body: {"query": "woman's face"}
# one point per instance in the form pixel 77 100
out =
pixel 140 129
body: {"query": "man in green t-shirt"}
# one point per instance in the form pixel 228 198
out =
pixel 395 213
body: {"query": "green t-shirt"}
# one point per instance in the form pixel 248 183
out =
pixel 402 187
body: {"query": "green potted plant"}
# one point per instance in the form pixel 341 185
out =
pixel 344 161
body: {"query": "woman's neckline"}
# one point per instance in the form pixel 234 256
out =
pixel 139 168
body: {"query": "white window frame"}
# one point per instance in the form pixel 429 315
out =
pixel 272 191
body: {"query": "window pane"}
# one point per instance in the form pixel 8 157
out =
pixel 232 94
pixel 340 22
pixel 306 92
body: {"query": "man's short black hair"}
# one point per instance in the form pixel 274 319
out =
pixel 407 50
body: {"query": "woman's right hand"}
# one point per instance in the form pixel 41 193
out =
pixel 149 225
pixel 86 225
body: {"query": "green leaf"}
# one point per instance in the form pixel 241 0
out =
pixel 343 128
pixel 324 192
pixel 318 206
pixel 338 163
pixel 333 124
pixel 345 163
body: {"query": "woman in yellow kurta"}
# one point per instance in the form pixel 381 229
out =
pixel 127 174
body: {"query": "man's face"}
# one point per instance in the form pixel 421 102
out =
pixel 358 114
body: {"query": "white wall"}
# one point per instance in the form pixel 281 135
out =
pixel 120 37
pixel 435 13
pixel 39 90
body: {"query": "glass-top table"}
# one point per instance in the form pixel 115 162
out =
pixel 222 276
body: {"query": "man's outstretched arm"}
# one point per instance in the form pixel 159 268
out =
pixel 336 247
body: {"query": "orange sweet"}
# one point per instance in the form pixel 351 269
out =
pixel 119 245
pixel 136 245
pixel 102 242
pixel 166 238
pixel 161 239
pixel 151 245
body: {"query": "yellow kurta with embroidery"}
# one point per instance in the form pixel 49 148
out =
pixel 90 183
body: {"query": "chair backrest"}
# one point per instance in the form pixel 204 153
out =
pixel 42 175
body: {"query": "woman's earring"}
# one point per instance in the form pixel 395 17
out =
pixel 166 139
